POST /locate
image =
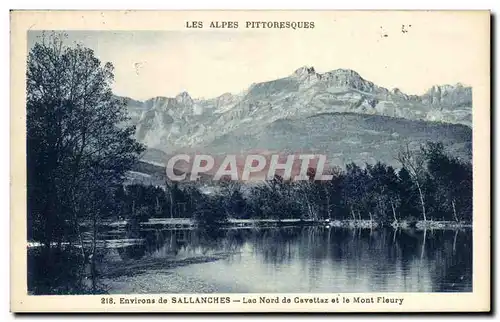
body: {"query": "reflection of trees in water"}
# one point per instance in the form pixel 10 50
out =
pixel 132 252
pixel 220 240
pixel 396 259
pixel 235 239
pixel 208 241
pixel 152 242
pixel 164 243
pixel 426 260
pixel 173 242
pixel 452 264
pixel 385 256
pixel 275 245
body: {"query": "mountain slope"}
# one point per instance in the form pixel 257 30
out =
pixel 283 112
pixel 346 137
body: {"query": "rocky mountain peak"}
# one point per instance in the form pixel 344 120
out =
pixel 348 78
pixel 304 71
pixel 456 95
pixel 184 98
pixel 349 73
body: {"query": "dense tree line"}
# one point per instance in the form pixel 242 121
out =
pixel 437 187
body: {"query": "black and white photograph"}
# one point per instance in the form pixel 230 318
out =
pixel 254 156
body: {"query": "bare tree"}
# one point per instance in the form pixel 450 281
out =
pixel 414 162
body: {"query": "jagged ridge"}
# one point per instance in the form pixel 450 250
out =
pixel 184 122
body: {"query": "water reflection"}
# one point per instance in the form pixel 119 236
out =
pixel 311 259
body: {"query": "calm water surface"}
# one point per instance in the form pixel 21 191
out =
pixel 304 259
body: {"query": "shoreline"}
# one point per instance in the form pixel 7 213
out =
pixel 159 276
pixel 287 223
pixel 262 223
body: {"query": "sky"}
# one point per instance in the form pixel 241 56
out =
pixel 209 63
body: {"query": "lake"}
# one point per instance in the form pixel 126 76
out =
pixel 306 259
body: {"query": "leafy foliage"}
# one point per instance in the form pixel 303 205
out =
pixel 376 192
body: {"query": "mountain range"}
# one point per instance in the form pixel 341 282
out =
pixel 337 113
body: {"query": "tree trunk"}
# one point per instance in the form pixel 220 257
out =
pixel 171 204
pixel 76 209
pixel 311 211
pixel 353 215
pixel 94 234
pixel 312 214
pixel 328 203
pixel 79 233
pixel 93 254
pixel 454 210
pixel 422 203
pixel 394 212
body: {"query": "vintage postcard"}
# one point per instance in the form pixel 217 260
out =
pixel 250 161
